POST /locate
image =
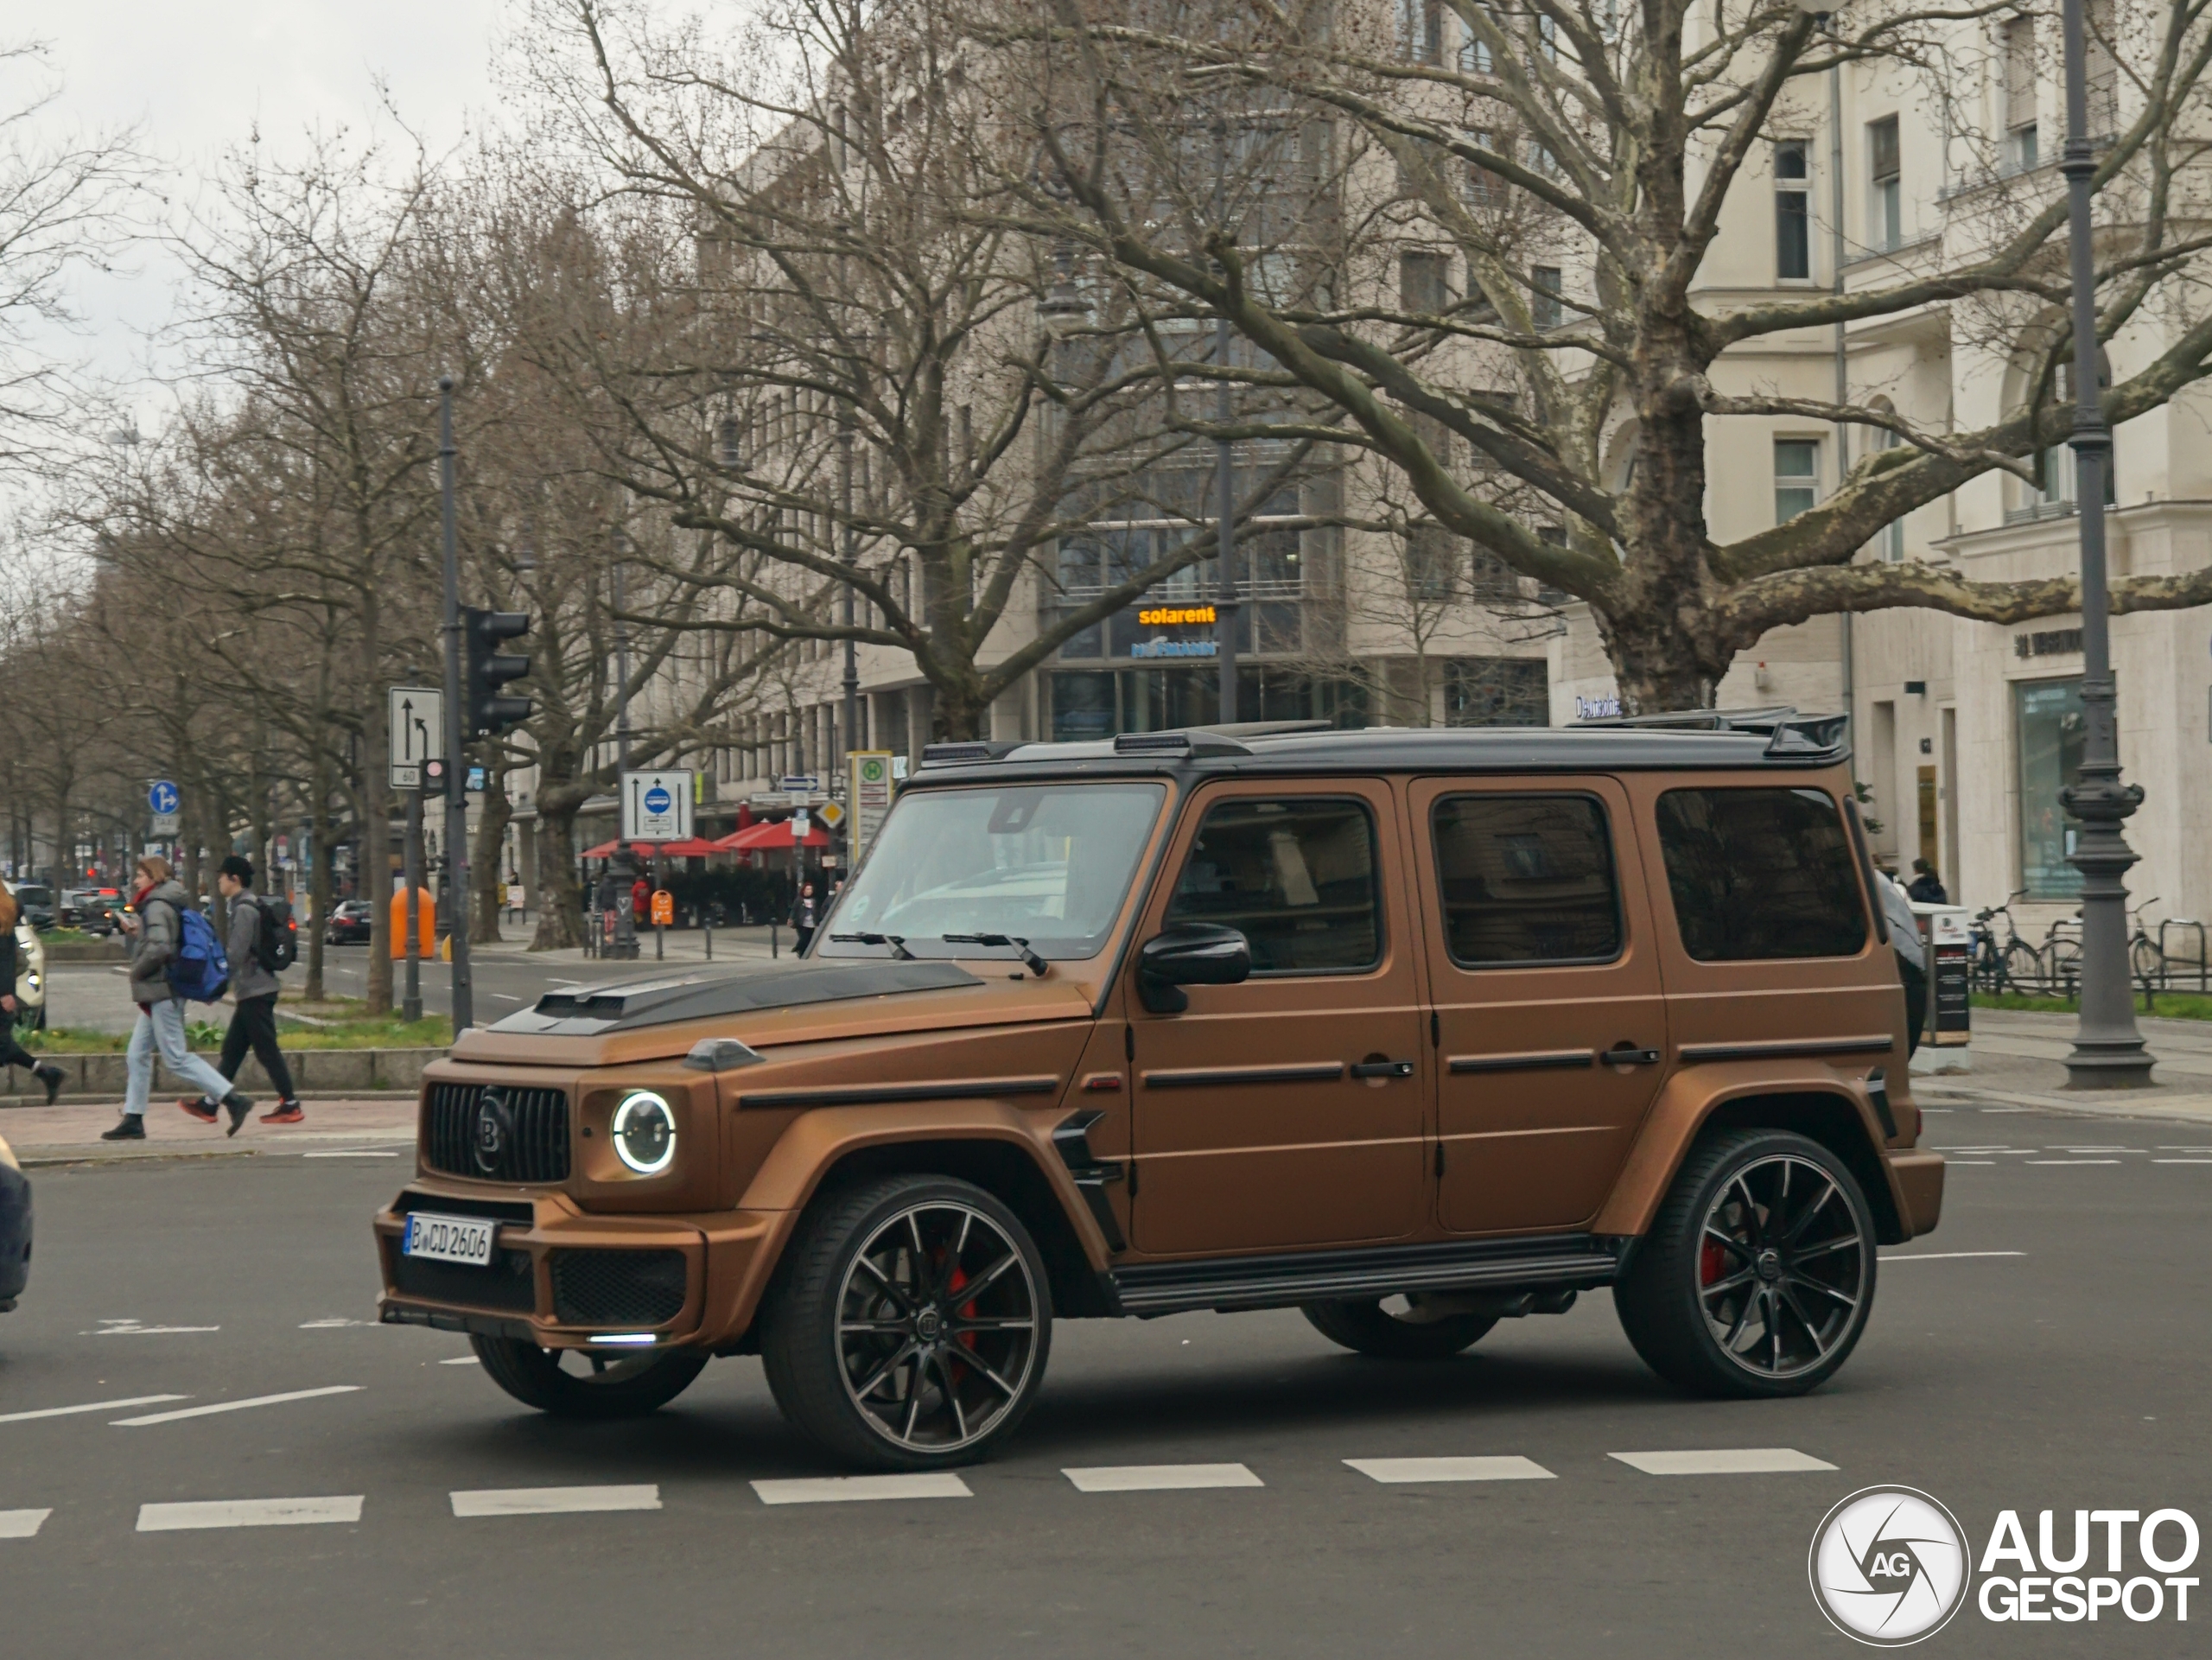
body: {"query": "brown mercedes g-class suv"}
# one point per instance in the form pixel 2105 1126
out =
pixel 1415 1031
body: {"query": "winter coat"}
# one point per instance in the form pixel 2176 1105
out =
pixel 161 930
pixel 248 978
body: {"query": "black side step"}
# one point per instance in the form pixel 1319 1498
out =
pixel 1228 1283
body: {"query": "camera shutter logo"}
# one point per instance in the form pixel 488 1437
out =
pixel 495 1128
pixel 1889 1566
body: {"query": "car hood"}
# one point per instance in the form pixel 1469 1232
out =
pixel 664 1015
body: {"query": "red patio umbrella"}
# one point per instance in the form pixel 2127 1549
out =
pixel 771 836
pixel 696 848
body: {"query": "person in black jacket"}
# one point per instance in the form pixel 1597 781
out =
pixel 1926 886
pixel 12 1053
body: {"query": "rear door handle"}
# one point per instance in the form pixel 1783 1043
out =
pixel 1383 1069
pixel 1626 1054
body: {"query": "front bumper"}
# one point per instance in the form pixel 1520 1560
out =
pixel 562 1278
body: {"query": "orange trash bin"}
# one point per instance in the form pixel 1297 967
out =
pixel 426 925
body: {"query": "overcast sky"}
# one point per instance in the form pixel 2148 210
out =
pixel 196 76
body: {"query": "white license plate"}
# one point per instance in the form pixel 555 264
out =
pixel 448 1238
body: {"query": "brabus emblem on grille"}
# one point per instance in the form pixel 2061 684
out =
pixel 495 1128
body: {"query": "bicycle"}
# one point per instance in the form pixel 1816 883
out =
pixel 2014 965
pixel 2146 958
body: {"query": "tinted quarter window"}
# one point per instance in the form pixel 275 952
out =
pixel 1760 874
pixel 1297 876
pixel 1526 879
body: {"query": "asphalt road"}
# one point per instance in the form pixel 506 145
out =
pixel 2070 1375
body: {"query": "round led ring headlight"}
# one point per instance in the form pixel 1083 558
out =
pixel 645 1133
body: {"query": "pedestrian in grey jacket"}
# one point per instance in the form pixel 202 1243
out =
pixel 156 926
pixel 253 990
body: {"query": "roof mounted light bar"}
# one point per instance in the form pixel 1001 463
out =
pixel 1789 734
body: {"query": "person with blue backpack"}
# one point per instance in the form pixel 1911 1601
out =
pixel 174 958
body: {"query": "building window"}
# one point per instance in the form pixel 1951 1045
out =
pixel 1474 52
pixel 2049 727
pixel 1432 556
pixel 1890 542
pixel 1796 477
pixel 1887 229
pixel 2019 94
pixel 1496 692
pixel 1421 30
pixel 2103 72
pixel 1793 230
pixel 1544 307
pixel 1424 283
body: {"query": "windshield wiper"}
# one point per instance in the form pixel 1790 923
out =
pixel 1036 964
pixel 897 942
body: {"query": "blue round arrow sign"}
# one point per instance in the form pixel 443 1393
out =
pixel 162 798
pixel 657 799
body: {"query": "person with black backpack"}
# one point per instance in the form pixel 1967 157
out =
pixel 263 942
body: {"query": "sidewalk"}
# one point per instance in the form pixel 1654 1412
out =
pixel 49 1135
pixel 684 946
pixel 2018 1061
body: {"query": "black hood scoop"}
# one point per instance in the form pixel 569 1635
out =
pixel 588 1011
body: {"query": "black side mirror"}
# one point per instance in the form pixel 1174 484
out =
pixel 1194 954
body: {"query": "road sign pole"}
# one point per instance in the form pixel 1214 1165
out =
pixel 410 1008
pixel 456 788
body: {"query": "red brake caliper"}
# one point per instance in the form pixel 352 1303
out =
pixel 966 1339
pixel 1712 1263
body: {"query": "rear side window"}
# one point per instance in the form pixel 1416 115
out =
pixel 1296 876
pixel 1760 874
pixel 1526 879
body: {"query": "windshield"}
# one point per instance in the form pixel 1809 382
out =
pixel 1048 864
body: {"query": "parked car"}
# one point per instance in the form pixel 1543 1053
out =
pixel 349 923
pixel 99 912
pixel 14 1229
pixel 1392 1028
pixel 35 903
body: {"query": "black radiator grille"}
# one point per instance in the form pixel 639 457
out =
pixel 534 1144
pixel 506 1284
pixel 617 1287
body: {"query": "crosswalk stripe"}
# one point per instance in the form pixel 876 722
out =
pixel 1722 1461
pixel 89 1406
pixel 21 1524
pixel 235 1406
pixel 1506 1468
pixel 844 1489
pixel 1160 1477
pixel 248 1513
pixel 554 1501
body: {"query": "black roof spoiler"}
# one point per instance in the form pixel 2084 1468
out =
pixel 1798 737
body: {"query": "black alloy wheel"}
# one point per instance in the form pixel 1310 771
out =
pixel 1396 1328
pixel 591 1383
pixel 912 1327
pixel 1758 1276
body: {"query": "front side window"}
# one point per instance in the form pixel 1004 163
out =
pixel 2051 727
pixel 1526 880
pixel 1762 873
pixel 1296 877
pixel 1796 477
pixel 1048 864
pixel 1793 234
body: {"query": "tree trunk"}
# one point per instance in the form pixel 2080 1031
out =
pixel 320 882
pixel 559 896
pixel 486 863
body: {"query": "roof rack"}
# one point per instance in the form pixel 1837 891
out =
pixel 956 755
pixel 1788 732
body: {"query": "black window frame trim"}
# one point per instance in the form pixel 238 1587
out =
pixel 1612 872
pixel 1381 958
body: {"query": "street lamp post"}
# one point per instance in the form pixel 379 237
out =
pixel 1224 476
pixel 2109 1050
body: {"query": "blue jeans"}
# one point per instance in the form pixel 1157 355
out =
pixel 162 1027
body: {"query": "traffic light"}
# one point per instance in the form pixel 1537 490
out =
pixel 487 669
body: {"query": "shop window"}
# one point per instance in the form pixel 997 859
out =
pixel 2049 729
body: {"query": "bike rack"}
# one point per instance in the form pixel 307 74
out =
pixel 2168 957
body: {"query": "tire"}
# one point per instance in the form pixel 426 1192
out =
pixel 615 1386
pixel 2025 970
pixel 1679 1301
pixel 868 1349
pixel 1367 1328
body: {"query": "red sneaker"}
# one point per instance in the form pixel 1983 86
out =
pixel 194 1107
pixel 288 1112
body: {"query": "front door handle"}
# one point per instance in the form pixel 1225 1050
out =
pixel 1383 1069
pixel 1625 1053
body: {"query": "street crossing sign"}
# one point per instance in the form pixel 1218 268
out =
pixel 415 730
pixel 656 806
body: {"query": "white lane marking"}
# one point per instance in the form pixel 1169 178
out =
pixel 2073 1161
pixel 2182 1161
pixel 504 998
pixel 2185 1149
pixel 235 1406
pixel 248 1513
pixel 350 1152
pixel 1160 1477
pixel 1723 1462
pixel 2095 1149
pixel 554 1501
pixel 132 1328
pixel 331 1324
pixel 461 1360
pixel 842 1490
pixel 89 1406
pixel 21 1524
pixel 1948 1255
pixel 1473 1469
pixel 1984 1162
